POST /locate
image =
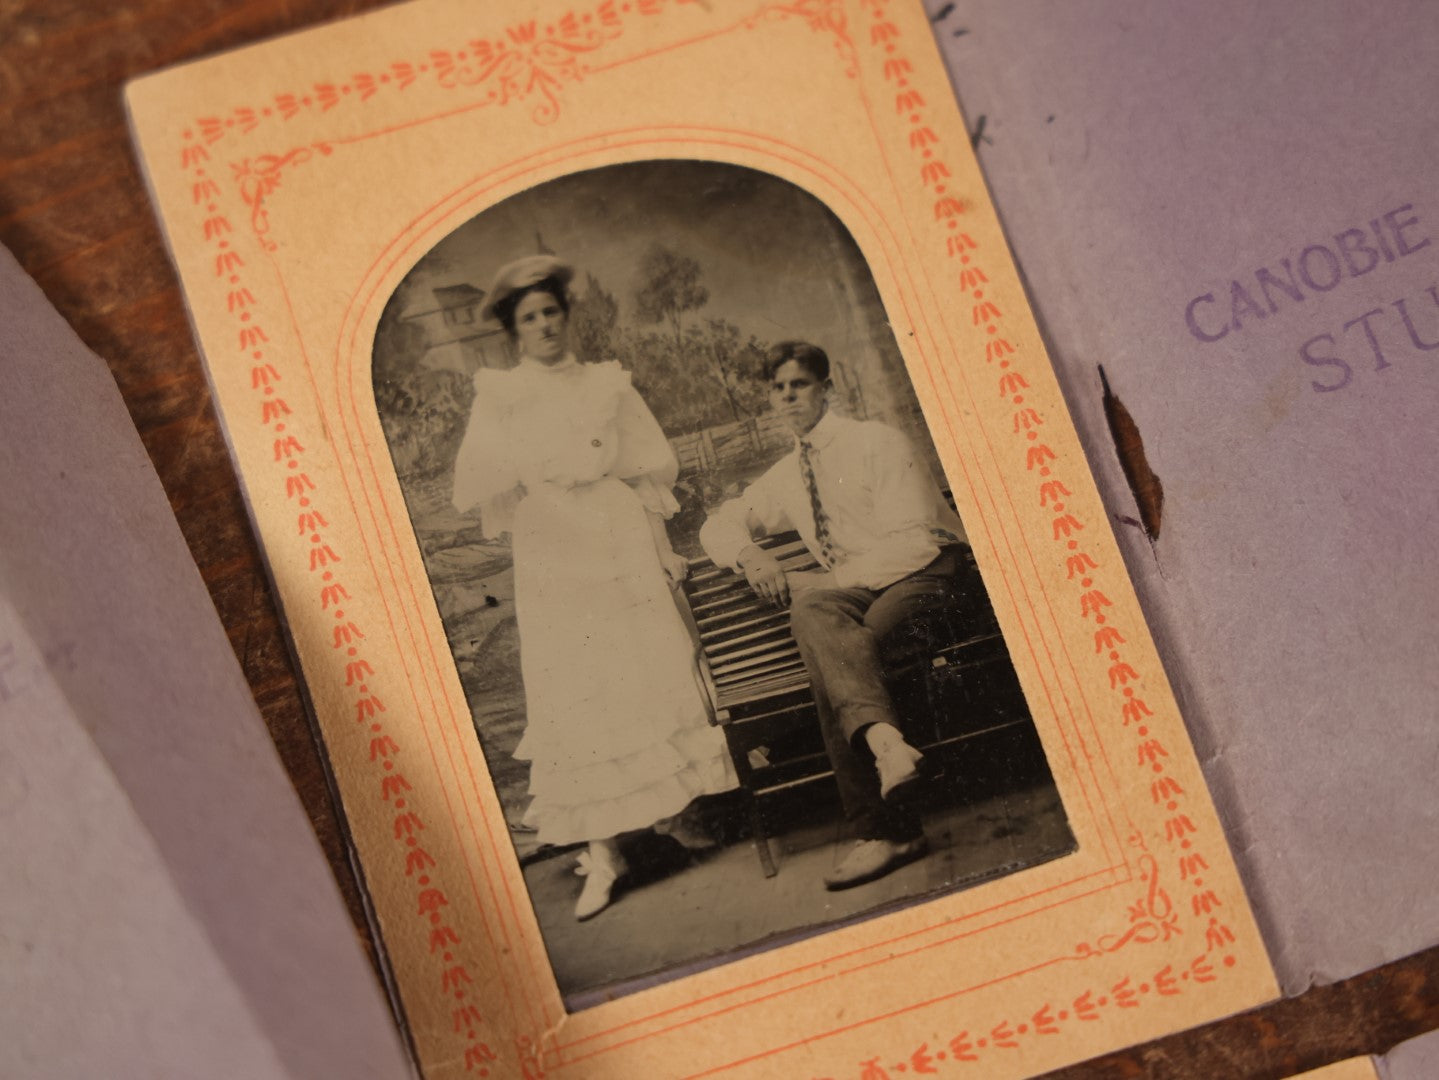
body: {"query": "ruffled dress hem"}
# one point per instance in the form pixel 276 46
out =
pixel 655 783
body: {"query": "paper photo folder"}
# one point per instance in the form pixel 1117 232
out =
pixel 1154 188
pixel 303 182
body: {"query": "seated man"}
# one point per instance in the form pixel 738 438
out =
pixel 869 511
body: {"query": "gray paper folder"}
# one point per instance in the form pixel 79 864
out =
pixel 1231 207
pixel 167 911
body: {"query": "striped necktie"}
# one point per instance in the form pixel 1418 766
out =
pixel 821 519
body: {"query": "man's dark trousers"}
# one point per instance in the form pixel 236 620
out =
pixel 842 634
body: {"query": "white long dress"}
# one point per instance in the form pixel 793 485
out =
pixel 568 459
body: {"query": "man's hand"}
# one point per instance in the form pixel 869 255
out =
pixel 810 579
pixel 765 575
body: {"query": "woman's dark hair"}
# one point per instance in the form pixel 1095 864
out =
pixel 810 357
pixel 505 309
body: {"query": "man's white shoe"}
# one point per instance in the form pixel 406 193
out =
pixel 898 766
pixel 870 860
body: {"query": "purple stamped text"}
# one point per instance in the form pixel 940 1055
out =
pixel 1320 268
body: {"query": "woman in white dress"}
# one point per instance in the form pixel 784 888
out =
pixel 567 458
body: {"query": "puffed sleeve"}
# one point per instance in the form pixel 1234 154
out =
pixel 645 460
pixel 486 474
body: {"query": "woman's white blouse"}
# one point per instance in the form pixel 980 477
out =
pixel 537 427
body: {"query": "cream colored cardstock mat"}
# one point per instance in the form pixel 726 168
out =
pixel 299 181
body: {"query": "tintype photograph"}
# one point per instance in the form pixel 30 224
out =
pixel 734 671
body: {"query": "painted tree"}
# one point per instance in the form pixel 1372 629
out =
pixel 667 287
pixel 594 322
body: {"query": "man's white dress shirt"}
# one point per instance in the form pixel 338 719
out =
pixel 887 517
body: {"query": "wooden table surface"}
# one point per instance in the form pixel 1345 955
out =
pixel 74 210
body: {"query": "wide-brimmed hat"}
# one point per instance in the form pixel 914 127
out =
pixel 521 274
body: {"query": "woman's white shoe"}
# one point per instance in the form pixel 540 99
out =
pixel 601 870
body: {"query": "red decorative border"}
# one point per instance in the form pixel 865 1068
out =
pixel 526 60
pixel 975 1053
pixel 253 347
pixel 1153 917
pixel 531 62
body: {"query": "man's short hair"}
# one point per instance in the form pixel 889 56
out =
pixel 810 357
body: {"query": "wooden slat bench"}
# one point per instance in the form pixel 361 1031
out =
pixel 960 686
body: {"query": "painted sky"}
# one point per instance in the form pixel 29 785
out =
pixel 770 252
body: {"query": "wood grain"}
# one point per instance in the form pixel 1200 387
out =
pixel 73 209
